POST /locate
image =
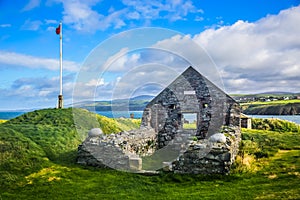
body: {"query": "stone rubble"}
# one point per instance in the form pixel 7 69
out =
pixel 118 151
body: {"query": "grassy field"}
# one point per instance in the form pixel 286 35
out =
pixel 281 107
pixel 190 126
pixel 272 102
pixel 38 152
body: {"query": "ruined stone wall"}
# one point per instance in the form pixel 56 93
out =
pixel 214 155
pixel 117 150
pixel 125 151
pixel 200 153
pixel 164 113
pixel 190 93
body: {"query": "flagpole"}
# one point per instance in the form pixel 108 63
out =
pixel 60 96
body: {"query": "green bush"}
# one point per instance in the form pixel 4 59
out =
pixel 275 125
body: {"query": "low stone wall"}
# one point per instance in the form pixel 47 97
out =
pixel 118 151
pixel 124 151
pixel 209 156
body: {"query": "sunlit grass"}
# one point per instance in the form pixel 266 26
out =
pixel 190 126
pixel 2 121
pixel 272 102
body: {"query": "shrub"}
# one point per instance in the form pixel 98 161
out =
pixel 275 125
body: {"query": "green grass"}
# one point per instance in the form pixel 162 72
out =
pixel 2 121
pixel 190 126
pixel 283 107
pixel 272 102
pixel 74 182
pixel 37 155
pixel 275 125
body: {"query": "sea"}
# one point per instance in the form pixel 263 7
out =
pixel 138 114
pixel 291 118
pixel 9 114
pixel 116 114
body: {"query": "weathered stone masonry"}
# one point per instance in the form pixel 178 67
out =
pixel 117 150
pixel 206 144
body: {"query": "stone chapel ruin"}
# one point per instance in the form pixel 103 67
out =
pixel 190 127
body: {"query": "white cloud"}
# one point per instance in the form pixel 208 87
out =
pixel 138 78
pixel 80 15
pixel 134 15
pixel 257 55
pixel 31 25
pixel 5 25
pixel 83 16
pixel 36 92
pixel 199 19
pixel 31 5
pixel 51 21
pixel 142 79
pixel 95 82
pixel 114 19
pixel 189 53
pixel 172 10
pixel 121 61
pixel 16 59
pixel 44 93
pixel 156 65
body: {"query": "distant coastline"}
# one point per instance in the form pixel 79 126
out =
pixel 7 115
pixel 272 109
pixel 10 114
pixel 138 114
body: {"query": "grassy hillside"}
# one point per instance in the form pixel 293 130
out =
pixel 284 107
pixel 37 152
pixel 40 138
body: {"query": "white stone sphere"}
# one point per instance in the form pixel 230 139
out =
pixel 95 132
pixel 217 138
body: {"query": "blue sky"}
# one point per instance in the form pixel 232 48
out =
pixel 254 47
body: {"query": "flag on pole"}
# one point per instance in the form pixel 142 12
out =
pixel 57 30
pixel 60 96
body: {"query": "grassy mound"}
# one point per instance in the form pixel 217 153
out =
pixel 43 137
